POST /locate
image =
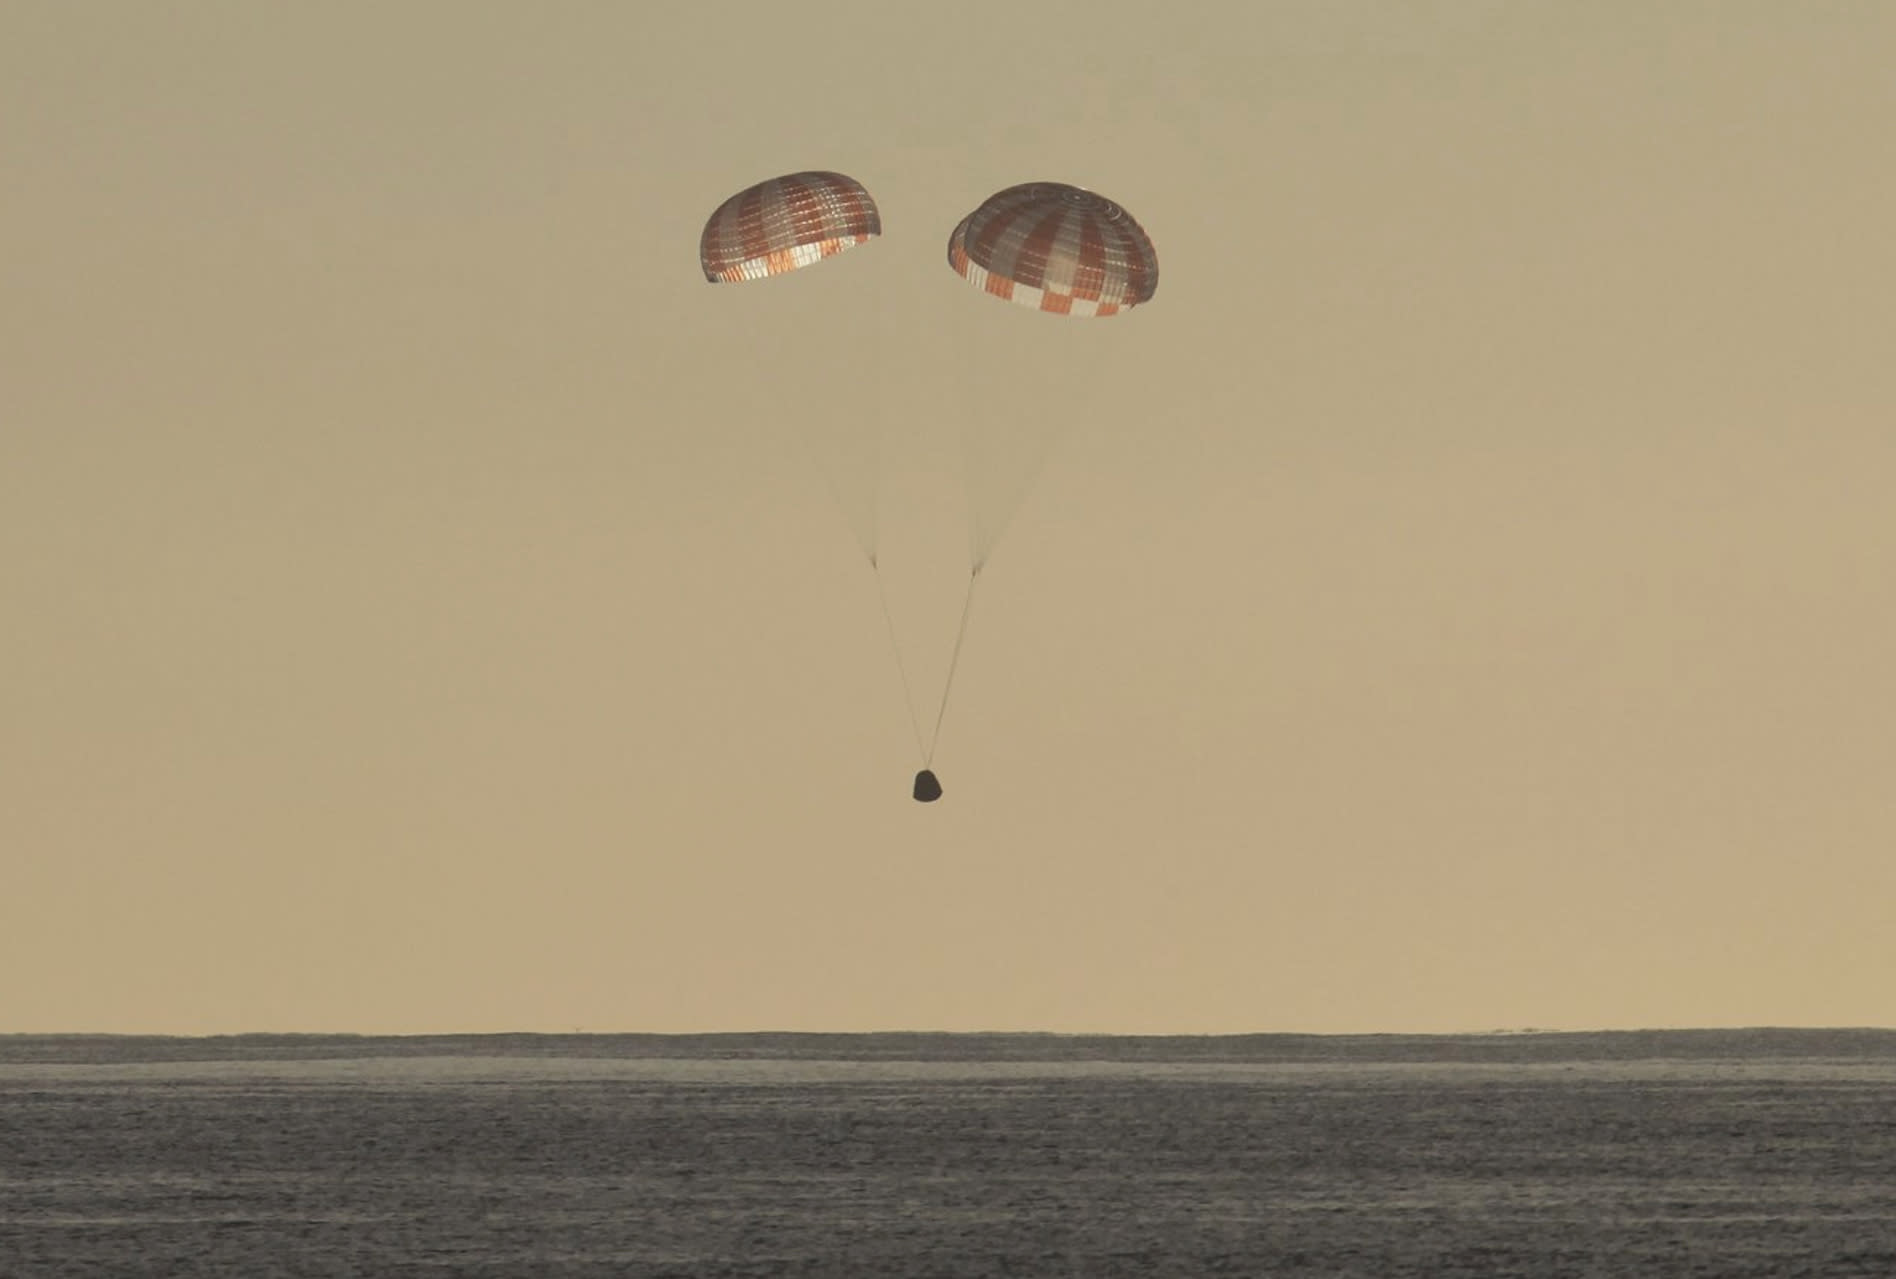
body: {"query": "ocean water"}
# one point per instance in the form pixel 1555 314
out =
pixel 1715 1154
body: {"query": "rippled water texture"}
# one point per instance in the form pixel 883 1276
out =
pixel 1717 1155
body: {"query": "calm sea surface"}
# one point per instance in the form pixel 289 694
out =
pixel 1718 1154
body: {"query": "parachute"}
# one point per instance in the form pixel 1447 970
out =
pixel 779 226
pixel 1061 250
pixel 1056 248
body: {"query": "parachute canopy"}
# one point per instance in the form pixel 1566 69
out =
pixel 1056 248
pixel 778 226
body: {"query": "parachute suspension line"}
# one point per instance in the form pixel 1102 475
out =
pixel 954 661
pixel 881 344
pixel 901 667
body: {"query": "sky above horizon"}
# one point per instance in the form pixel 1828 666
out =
pixel 1459 600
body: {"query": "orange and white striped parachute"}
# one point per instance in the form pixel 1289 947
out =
pixel 1057 248
pixel 778 226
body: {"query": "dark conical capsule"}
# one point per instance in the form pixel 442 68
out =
pixel 927 788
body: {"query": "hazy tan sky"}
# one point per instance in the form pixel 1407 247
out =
pixel 1461 599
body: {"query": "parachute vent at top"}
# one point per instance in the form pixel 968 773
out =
pixel 1057 248
pixel 786 223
